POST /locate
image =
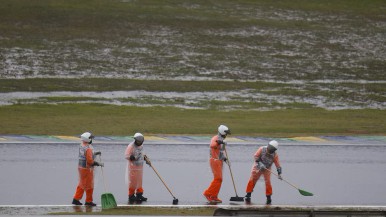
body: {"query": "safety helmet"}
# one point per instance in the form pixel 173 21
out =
pixel 86 137
pixel 274 143
pixel 224 130
pixel 138 137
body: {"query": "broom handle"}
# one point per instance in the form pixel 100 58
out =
pixel 159 176
pixel 103 176
pixel 230 170
pixel 282 179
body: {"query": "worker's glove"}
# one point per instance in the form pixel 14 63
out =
pixel 227 161
pixel 279 173
pixel 132 158
pixel 98 153
pixel 98 164
pixel 261 166
pixel 147 160
pixel 279 170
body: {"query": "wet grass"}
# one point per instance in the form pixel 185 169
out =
pixel 229 39
pixel 150 45
pixel 103 84
pixel 70 119
pixel 261 95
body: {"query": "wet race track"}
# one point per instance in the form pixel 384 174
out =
pixel 337 174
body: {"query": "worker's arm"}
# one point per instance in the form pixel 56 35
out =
pixel 89 157
pixel 277 164
pixel 257 155
pixel 214 148
pixel 128 153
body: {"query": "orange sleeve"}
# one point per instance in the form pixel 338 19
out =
pixel 89 157
pixel 276 161
pixel 214 148
pixel 258 153
pixel 128 152
pixel 213 142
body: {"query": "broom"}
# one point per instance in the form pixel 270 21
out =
pixel 302 192
pixel 237 198
pixel 107 199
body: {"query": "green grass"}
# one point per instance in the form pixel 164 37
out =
pixel 232 41
pixel 70 119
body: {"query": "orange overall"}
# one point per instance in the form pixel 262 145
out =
pixel 86 172
pixel 134 169
pixel 267 159
pixel 216 163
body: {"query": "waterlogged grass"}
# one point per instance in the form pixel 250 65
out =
pixel 222 39
pixel 103 84
pixel 70 119
pixel 228 95
pixel 293 57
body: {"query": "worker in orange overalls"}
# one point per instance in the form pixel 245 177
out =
pixel 217 157
pixel 86 165
pixel 134 155
pixel 264 158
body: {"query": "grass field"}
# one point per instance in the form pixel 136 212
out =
pixel 221 95
pixel 70 119
pixel 223 39
pixel 300 67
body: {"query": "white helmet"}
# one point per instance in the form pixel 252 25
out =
pixel 223 130
pixel 138 137
pixel 86 137
pixel 274 143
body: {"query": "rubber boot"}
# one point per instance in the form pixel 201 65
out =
pixel 140 197
pixel 269 200
pixel 89 204
pixel 76 202
pixel 132 199
pixel 248 197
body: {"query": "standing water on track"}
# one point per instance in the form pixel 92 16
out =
pixel 46 174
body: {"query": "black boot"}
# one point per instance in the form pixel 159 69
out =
pixel 248 197
pixel 89 204
pixel 140 197
pixel 269 200
pixel 76 202
pixel 132 198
